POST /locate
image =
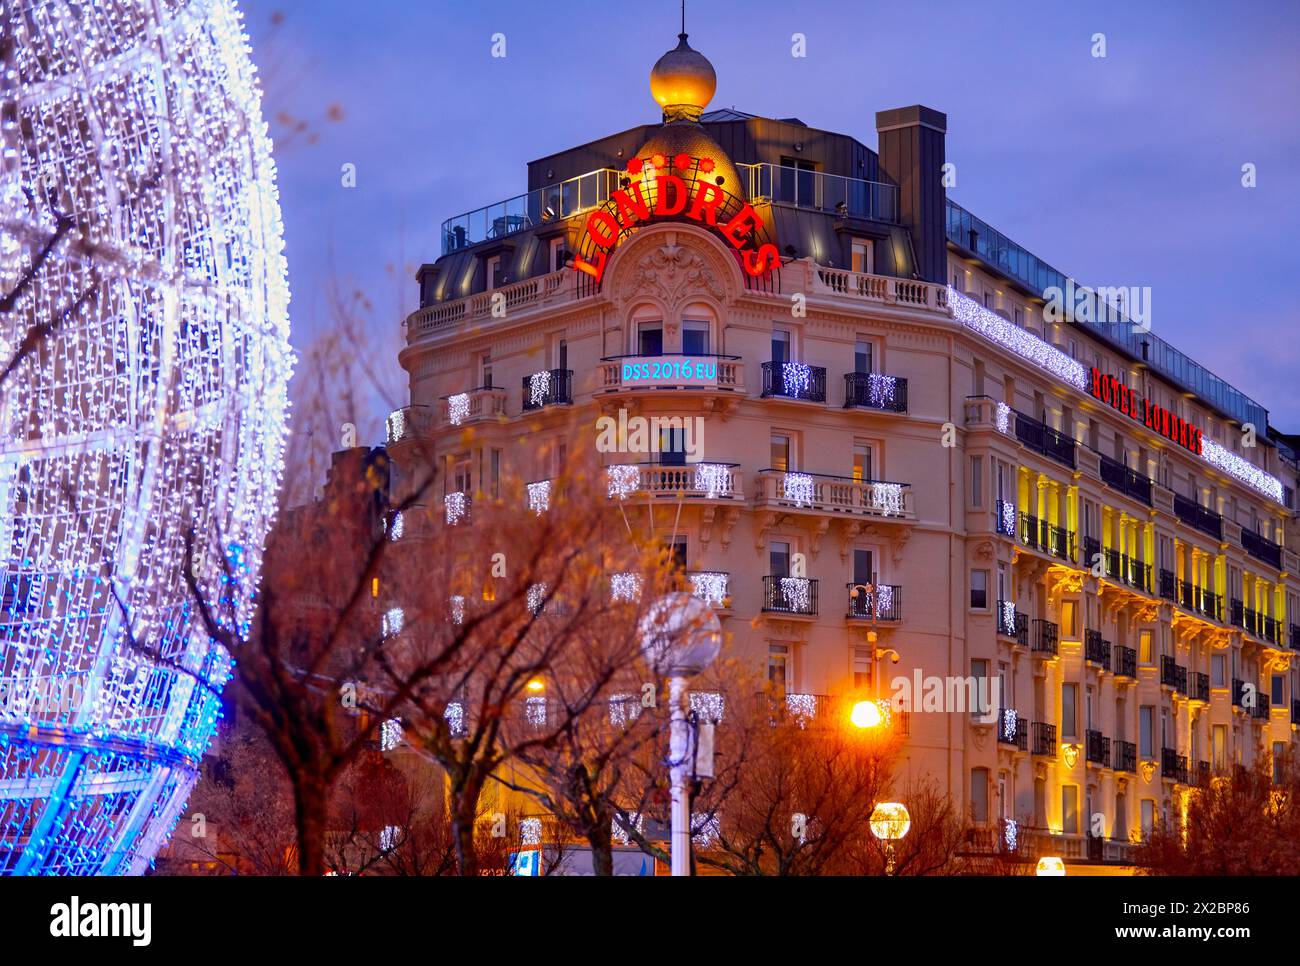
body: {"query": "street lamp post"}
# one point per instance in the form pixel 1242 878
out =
pixel 890 821
pixel 681 636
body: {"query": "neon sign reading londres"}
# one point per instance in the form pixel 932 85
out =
pixel 1114 393
pixel 654 193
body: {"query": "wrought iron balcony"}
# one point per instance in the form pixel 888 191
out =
pixel 1200 601
pixel 1200 687
pixel 1095 649
pixel 1130 482
pixel 794 380
pixel 1255 623
pixel 1168 585
pixel 1125 661
pixel 1197 516
pixel 550 387
pixel 1126 755
pixel 711 586
pixel 1261 548
pixel 1173 765
pixel 790 595
pixel 1173 674
pixel 1046 637
pixel 1012 623
pixel 874 390
pixel 1041 438
pixel 1097 748
pixel 1203 773
pixel 1263 706
pixel 1046 538
pixel 1238 693
pixel 883 603
pixel 1005 521
pixel 1295 637
pixel 1013 729
pixel 1044 739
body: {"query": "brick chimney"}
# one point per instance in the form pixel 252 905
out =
pixel 911 156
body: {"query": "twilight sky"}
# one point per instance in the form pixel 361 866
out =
pixel 1117 171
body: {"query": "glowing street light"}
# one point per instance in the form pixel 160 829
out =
pixel 866 714
pixel 1050 865
pixel 890 821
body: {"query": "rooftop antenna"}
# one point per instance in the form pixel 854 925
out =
pixel 683 18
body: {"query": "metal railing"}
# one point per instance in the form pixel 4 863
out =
pixel 873 390
pixel 789 595
pixel 1173 674
pixel 1046 637
pixel 1043 735
pixel 1125 756
pixel 884 603
pixel 1194 515
pixel 1043 439
pixel 1046 538
pixel 1173 765
pixel 817 190
pixel 1013 623
pixel 554 202
pixel 794 380
pixel 1119 477
pixel 549 387
pixel 1261 548
pixel 1125 661
pixel 1097 748
pixel 1013 729
pixel 1095 648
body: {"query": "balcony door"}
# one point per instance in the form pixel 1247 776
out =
pixel 695 337
pixel 863 570
pixel 778 556
pixel 650 339
pixel 799 182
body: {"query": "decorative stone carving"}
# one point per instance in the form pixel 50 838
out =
pixel 672 272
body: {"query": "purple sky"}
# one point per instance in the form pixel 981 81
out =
pixel 1118 171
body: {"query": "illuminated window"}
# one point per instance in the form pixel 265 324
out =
pixel 1070 809
pixel 863 256
pixel 861 462
pixel 778 657
pixel 780 458
pixel 1144 647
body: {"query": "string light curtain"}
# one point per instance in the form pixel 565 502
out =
pixel 140 244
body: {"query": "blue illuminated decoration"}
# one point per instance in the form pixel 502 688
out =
pixel 674 369
pixel 142 443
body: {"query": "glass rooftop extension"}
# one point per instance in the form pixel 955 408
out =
pixel 981 239
pixel 771 182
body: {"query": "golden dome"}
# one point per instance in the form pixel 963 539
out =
pixel 683 82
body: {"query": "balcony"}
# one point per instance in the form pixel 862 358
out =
pixel 1295 637
pixel 1012 623
pixel 881 289
pixel 1046 638
pixel 1041 438
pixel 1005 521
pixel 883 603
pixel 821 493
pixel 1200 601
pixel 1263 706
pixel 1200 687
pixel 553 289
pixel 409 422
pixel 671 481
pixel 1261 548
pixel 1238 693
pixel 1097 748
pixel 1129 482
pixel 790 595
pixel 1013 729
pixel 1043 736
pixel 1173 766
pixel 1168 585
pixel 874 390
pixel 794 380
pixel 1257 624
pixel 1125 756
pixel 1046 538
pixel 1096 650
pixel 484 403
pixel 550 387
pixel 1194 515
pixel 1172 674
pixel 456 508
pixel 819 191
pixel 677 373
pixel 1125 661
pixel 1203 773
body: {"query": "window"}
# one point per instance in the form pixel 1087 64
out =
pixel 650 338
pixel 695 337
pixel 780 346
pixel 862 357
pixel 863 572
pixel 1144 647
pixel 1279 761
pixel 496 473
pixel 1146 730
pixel 979 589
pixel 861 462
pixel 676 552
pixel 862 256
pixel 485 370
pixel 861 668
pixel 1069 622
pixel 1218 671
pixel 1120 831
pixel 979 672
pixel 1276 696
pixel 562 355
pixel 559 253
pixel 979 795
pixel 1069 711
pixel 778 557
pixel 977 481
pixel 1148 816
pixel 1219 747
pixel 493 276
pixel 1070 809
pixel 1040 802
pixel 672 446
pixel 778 656
pixel 781 453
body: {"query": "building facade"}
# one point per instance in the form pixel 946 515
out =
pixel 1065 549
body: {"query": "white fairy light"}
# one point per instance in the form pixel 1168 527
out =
pixel 536 597
pixel 887 498
pixel 539 496
pixel 1003 418
pixel 625 587
pixel 390 734
pixel 624 709
pixel 396 426
pixel 393 621
pixel 881 390
pixel 706 832
pixel 802 707
pixel 799 488
pixel 1007 518
pixel 539 387
pixel 709 587
pixel 797 592
pixel 884 602
pixel 154 407
pixel 709 705
pixel 389 838
pixel 713 479
pixel 620 832
pixel 1011 834
pixel 1241 469
pixel 623 479
pixel 535 710
pixel 454 714
pixel 458 408
pixel 1008 616
pixel 796 379
pixel 1024 344
pixel 457 608
pixel 455 505
pixel 397 528
pixel 1010 724
pixel 530 831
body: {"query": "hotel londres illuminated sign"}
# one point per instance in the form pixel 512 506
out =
pixel 675 189
pixel 1114 393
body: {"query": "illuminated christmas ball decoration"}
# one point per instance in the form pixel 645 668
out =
pixel 144 346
